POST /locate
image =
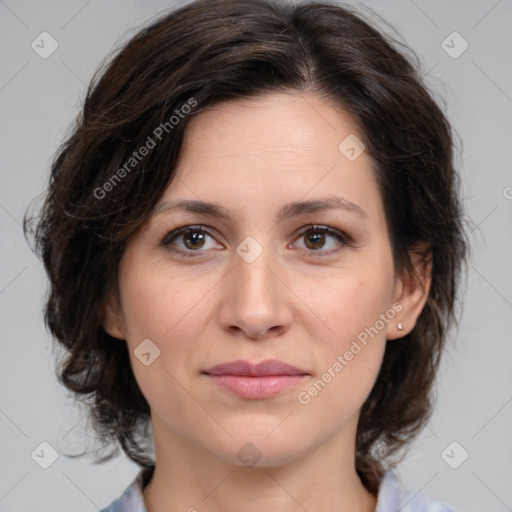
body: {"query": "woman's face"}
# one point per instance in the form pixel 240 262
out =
pixel 262 283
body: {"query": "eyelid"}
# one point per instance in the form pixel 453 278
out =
pixel 175 232
pixel 322 228
pixel 344 239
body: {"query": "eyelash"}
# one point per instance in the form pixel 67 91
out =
pixel 343 238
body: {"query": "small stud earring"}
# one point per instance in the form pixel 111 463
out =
pixel 400 326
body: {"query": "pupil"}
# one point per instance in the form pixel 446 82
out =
pixel 195 238
pixel 318 238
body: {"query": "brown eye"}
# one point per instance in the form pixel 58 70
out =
pixel 315 240
pixel 189 239
pixel 194 239
pixel 322 239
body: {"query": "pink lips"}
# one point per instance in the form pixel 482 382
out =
pixel 261 380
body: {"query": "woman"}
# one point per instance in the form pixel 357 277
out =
pixel 254 241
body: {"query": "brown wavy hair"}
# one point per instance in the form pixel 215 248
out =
pixel 216 50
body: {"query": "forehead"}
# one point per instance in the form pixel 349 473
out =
pixel 278 148
pixel 294 126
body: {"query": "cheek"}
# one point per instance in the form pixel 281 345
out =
pixel 348 300
pixel 157 310
pixel 349 357
pixel 158 302
pixel 169 311
pixel 355 309
pixel 335 397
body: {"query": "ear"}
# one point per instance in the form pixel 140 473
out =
pixel 112 318
pixel 411 292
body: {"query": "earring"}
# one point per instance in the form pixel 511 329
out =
pixel 400 326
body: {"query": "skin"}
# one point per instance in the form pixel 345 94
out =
pixel 252 156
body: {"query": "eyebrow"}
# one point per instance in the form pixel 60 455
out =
pixel 287 211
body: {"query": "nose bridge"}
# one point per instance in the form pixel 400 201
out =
pixel 256 300
pixel 254 278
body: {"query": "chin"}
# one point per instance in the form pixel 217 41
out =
pixel 253 447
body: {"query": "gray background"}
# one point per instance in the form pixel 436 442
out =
pixel 39 99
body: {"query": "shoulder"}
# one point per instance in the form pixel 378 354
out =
pixel 393 497
pixel 132 499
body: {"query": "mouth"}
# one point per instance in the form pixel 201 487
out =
pixel 261 380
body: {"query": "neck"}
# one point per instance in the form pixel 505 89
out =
pixel 189 478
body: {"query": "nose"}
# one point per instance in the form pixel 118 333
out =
pixel 256 298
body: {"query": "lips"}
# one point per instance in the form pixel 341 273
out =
pixel 262 369
pixel 246 380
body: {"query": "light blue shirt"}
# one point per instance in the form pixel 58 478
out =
pixel 392 497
